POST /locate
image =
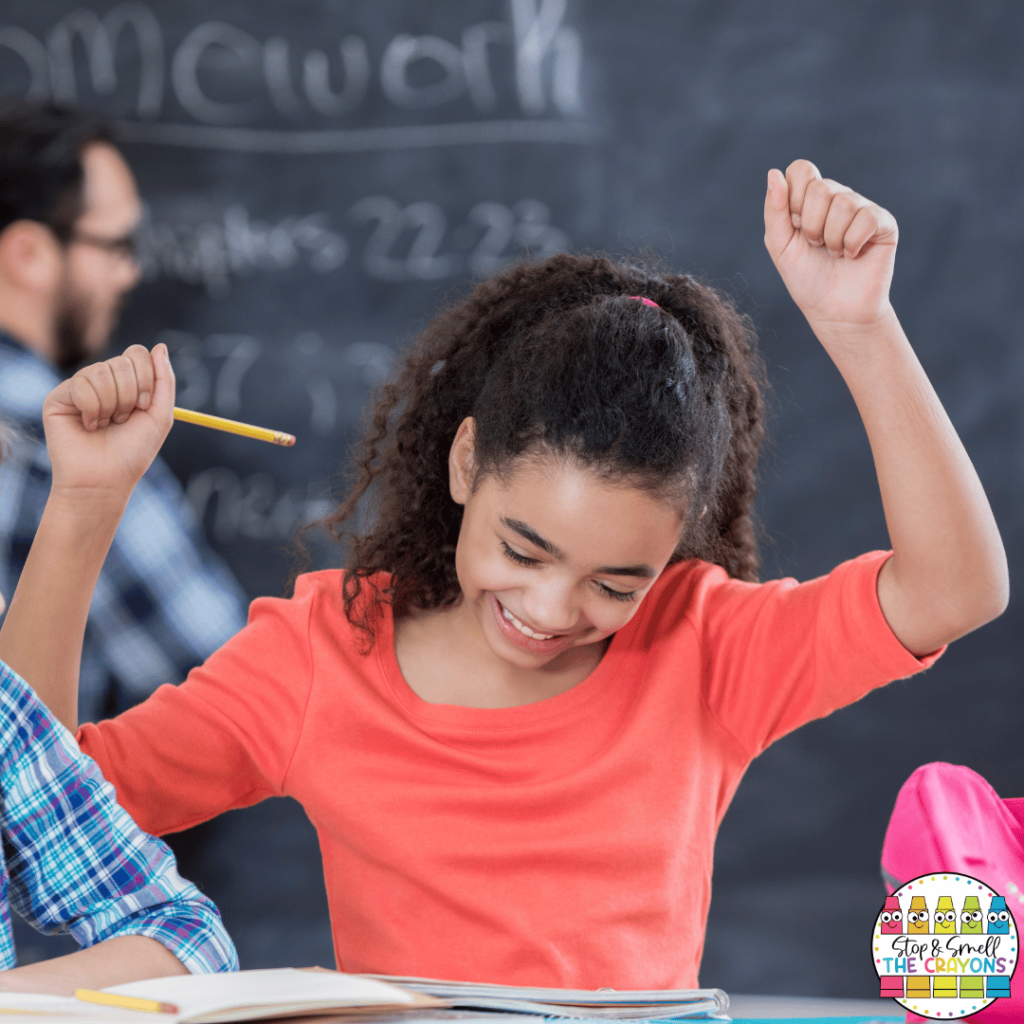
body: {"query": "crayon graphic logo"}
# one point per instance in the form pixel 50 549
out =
pixel 918 917
pixel 970 918
pixel 957 966
pixel 892 917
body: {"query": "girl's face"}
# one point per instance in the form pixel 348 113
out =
pixel 553 557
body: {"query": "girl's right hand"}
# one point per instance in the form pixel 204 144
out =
pixel 105 424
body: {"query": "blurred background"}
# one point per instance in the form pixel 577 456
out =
pixel 320 175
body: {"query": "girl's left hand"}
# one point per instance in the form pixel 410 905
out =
pixel 834 249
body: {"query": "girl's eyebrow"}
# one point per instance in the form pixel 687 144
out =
pixel 644 570
pixel 528 533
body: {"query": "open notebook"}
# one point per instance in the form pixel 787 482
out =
pixel 328 995
pixel 662 1004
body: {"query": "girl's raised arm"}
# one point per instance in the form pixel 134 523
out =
pixel 835 251
pixel 103 427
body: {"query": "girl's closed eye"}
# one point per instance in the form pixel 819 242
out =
pixel 520 559
pixel 511 552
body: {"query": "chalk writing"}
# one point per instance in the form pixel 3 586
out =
pixel 254 507
pixel 392 242
pixel 528 66
pixel 211 372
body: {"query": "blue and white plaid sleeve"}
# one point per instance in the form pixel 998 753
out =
pixel 76 861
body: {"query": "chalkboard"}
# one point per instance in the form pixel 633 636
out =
pixel 320 175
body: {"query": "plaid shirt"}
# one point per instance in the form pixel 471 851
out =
pixel 72 858
pixel 164 601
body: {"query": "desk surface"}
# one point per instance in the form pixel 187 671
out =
pixel 789 1007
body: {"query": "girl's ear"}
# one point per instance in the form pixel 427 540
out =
pixel 462 461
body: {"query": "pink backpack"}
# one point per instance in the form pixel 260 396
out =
pixel 948 818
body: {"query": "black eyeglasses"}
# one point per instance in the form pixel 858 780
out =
pixel 126 247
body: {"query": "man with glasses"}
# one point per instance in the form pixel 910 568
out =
pixel 68 210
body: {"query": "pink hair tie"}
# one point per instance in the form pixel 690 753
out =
pixel 645 301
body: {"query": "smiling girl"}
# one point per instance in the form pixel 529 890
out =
pixel 517 716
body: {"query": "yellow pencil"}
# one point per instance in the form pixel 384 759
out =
pixel 202 419
pixel 87 995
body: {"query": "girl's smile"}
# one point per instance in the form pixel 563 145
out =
pixel 522 635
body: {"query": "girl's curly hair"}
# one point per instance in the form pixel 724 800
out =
pixel 559 357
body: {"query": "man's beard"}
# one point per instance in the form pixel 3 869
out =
pixel 70 348
pixel 71 341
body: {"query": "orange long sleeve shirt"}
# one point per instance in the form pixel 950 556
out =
pixel 567 842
